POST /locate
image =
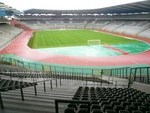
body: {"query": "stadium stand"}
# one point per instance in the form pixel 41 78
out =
pixel 8 33
pixel 145 33
pixel 3 20
pixel 123 100
pixel 123 92
pixel 129 27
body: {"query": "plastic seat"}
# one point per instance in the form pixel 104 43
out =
pixel 136 104
pixel 103 103
pixel 96 111
pixel 93 96
pixel 147 104
pixel 118 107
pixel 102 99
pixel 83 106
pixel 86 88
pixel 118 97
pixel 131 108
pixel 143 108
pixel 135 97
pixel 124 104
pixel 108 97
pixel 130 100
pixel 84 98
pixel 146 95
pixel 121 100
pixel 77 94
pixel 83 110
pixel 95 106
pixel 113 103
pixel 105 107
pixel 73 105
pixel 140 100
pixel 148 100
pixel 93 99
pixel 94 102
pixel 69 110
pixel 110 111
pixel 137 111
pixel 124 111
pixel 75 98
pixel 111 99
pixel 92 88
pixel 85 92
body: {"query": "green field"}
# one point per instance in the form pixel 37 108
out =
pixel 64 38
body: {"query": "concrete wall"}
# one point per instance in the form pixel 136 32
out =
pixel 141 87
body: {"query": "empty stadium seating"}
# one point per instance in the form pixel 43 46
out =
pixel 7 33
pixel 133 28
pixel 102 100
pixel 6 85
pixel 124 100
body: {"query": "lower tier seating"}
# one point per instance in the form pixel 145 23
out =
pixel 110 100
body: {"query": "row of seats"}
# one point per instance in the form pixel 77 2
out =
pixel 6 85
pixel 110 100
pixel 136 28
pixel 7 33
pixel 22 73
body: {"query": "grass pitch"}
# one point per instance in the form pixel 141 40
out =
pixel 64 38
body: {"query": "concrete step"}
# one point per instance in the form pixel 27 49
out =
pixel 43 102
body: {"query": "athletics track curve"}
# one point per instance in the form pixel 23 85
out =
pixel 18 47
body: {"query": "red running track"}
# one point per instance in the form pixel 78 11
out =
pixel 19 48
pixel 115 49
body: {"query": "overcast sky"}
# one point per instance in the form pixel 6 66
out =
pixel 63 4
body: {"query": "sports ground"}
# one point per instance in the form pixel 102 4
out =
pixel 132 55
pixel 85 43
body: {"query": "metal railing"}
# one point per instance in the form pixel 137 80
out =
pixel 139 74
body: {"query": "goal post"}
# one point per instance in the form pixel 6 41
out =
pixel 94 42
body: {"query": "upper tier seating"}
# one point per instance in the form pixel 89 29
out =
pixel 134 28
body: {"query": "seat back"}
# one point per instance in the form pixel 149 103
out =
pixel 69 110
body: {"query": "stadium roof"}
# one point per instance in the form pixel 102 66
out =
pixel 136 7
pixel 6 10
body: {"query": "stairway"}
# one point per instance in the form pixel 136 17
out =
pixel 43 102
pixel 19 25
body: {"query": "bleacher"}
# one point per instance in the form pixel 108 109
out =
pixel 41 101
pixel 109 100
pixel 41 92
pixel 57 85
pixel 145 34
pixel 122 29
pixel 7 85
pixel 133 28
pixel 38 98
pixel 3 20
pixel 8 33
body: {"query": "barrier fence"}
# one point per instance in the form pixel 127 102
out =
pixel 140 74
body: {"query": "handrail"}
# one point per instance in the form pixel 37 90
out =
pixel 70 101
pixel 61 71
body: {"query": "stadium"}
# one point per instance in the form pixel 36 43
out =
pixel 75 61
